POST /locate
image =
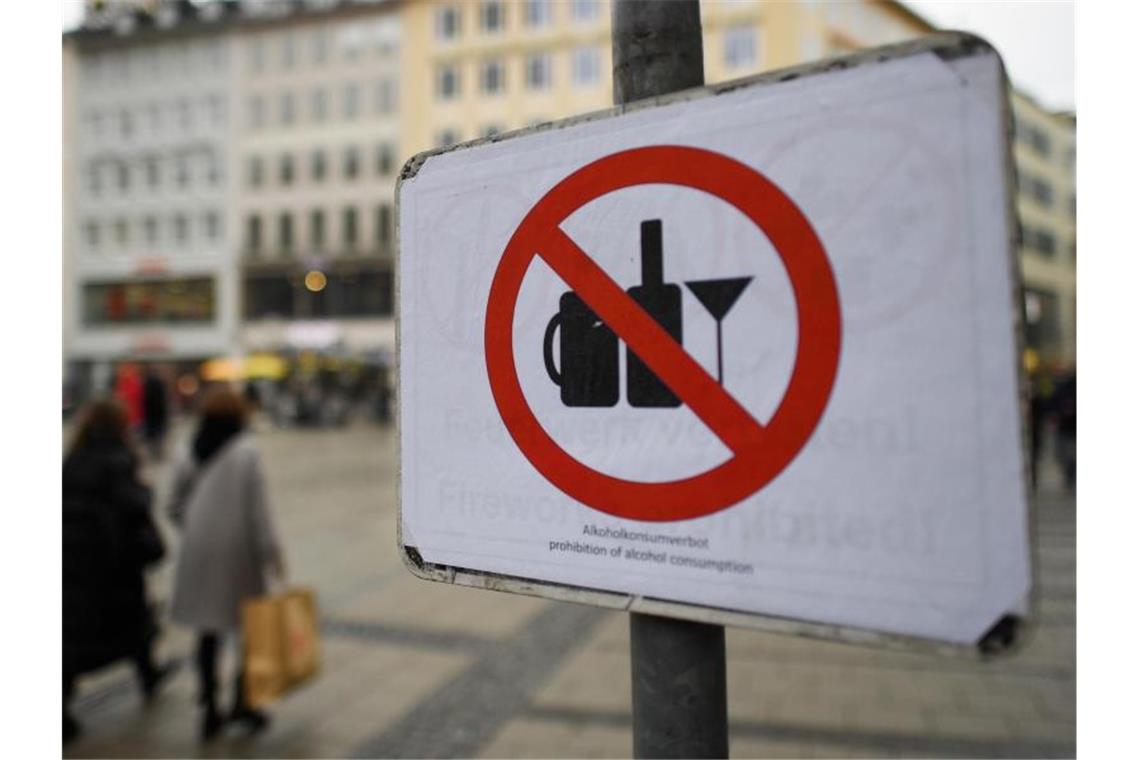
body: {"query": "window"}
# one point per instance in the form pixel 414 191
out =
pixel 256 171
pixel 1036 188
pixel 182 173
pixel 181 229
pixel 91 235
pixel 739 47
pixel 386 35
pixel 173 300
pixel 446 137
pixel 385 96
pixel 256 55
pixel 383 225
pixel 268 295
pixel 256 112
pixel 285 232
pixel 349 227
pixel 317 229
pixel 1039 241
pixel 213 170
pixel 353 38
pixel 811 46
pixel 586 66
pixel 123 176
pixel 150 230
pixel 384 159
pixel 491 16
pixel 491 77
pixel 286 169
pixel 216 110
pixel 288 108
pixel 583 11
pixel 318 166
pixel 253 233
pixel 447 82
pixel 94 179
pixel 211 225
pixel 537 13
pixel 319 103
pixel 351 163
pixel 351 101
pixel 288 51
pixel 185 115
pixel 152 177
pixel 447 22
pixel 320 44
pixel 538 71
pixel 122 232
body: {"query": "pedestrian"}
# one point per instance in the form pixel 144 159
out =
pixel 109 540
pixel 156 413
pixel 229 544
pixel 1065 413
pixel 129 391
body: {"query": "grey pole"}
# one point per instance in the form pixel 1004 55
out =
pixel 680 707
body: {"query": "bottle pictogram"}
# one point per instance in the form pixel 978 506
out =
pixel 588 348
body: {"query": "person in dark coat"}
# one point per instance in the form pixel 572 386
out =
pixel 1065 410
pixel 156 415
pixel 109 539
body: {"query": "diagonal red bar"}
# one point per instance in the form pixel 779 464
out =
pixel 724 415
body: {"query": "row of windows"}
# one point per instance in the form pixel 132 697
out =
pixel 344 294
pixel 349 42
pixel 179 229
pixel 383 164
pixel 156 118
pixel 178 300
pixel 493 15
pixel 317 106
pixel 150 173
pixel 316 237
pixel 1038 240
pixel 173 61
pixel 537 73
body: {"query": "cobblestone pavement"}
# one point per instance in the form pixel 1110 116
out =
pixel 416 669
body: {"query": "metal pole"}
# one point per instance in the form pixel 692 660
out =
pixel 680 707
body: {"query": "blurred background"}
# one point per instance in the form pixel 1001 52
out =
pixel 228 217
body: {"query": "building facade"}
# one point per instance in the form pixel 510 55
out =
pixel 316 159
pixel 150 262
pixel 1046 156
pixel 231 165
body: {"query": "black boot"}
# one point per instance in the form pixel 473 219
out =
pixel 254 721
pixel 212 722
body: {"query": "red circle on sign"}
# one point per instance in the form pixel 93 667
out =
pixel 760 453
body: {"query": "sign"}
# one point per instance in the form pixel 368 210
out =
pixel 748 353
pixel 759 452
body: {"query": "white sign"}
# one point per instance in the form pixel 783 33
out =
pixel 753 349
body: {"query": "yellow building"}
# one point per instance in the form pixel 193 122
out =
pixel 476 67
pixel 1045 150
pixel 484 66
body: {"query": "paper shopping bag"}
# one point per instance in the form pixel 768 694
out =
pixel 281 642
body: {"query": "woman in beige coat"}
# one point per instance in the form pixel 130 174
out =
pixel 229 544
